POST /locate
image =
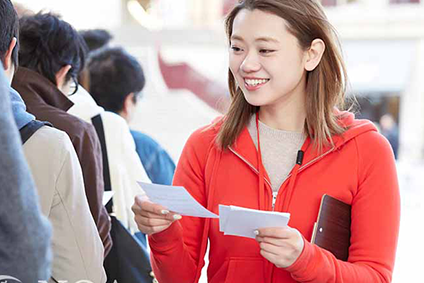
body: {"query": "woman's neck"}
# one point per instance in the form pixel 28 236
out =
pixel 288 115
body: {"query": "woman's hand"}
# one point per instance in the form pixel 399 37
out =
pixel 281 246
pixel 152 218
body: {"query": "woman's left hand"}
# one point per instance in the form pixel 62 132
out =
pixel 281 246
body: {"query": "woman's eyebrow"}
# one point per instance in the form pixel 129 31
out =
pixel 263 38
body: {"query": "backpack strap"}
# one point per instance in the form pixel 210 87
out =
pixel 29 129
pixel 98 125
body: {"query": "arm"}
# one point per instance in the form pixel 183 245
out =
pixel 78 249
pixel 374 227
pixel 25 234
pixel 176 252
pixel 90 157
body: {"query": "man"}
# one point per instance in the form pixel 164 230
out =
pixel 25 233
pixel 51 54
pixel 77 248
pixel 116 80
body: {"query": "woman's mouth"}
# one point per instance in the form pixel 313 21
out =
pixel 254 84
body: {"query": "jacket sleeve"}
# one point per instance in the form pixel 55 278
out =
pixel 90 156
pixel 25 234
pixel 77 247
pixel 176 252
pixel 374 227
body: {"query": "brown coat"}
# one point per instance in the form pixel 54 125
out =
pixel 44 100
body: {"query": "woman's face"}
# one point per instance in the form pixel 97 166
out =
pixel 265 59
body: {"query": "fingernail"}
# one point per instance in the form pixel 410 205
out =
pixel 256 232
pixel 177 216
pixel 164 211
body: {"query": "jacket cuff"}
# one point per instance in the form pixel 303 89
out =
pixel 300 267
pixel 167 239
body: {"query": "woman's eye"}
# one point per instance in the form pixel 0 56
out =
pixel 266 51
pixel 235 48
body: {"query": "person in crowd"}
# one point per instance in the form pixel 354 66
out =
pixel 95 39
pixel 116 81
pixel 77 248
pixel 283 144
pixel 124 165
pixel 25 252
pixel 390 130
pixel 51 54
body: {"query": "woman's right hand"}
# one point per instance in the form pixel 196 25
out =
pixel 150 217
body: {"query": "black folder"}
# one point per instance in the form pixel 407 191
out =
pixel 332 229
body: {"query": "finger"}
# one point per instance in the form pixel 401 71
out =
pixel 151 222
pixel 275 250
pixel 278 232
pixel 269 256
pixel 279 242
pixel 154 210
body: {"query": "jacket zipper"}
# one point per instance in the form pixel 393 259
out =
pixel 276 194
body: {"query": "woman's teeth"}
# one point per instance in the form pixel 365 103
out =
pixel 251 82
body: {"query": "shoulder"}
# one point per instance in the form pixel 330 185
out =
pixel 142 139
pixel 202 141
pixel 372 143
pixel 51 138
pixel 114 120
pixel 206 135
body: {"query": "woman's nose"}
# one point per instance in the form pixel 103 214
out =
pixel 250 64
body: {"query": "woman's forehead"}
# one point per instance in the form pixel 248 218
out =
pixel 258 25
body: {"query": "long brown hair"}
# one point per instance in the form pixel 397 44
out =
pixel 326 84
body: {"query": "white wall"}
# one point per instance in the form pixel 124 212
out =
pixel 82 14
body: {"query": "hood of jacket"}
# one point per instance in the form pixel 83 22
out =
pixel 21 116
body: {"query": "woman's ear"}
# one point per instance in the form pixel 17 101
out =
pixel 61 76
pixel 314 54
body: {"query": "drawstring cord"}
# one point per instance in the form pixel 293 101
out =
pixel 268 266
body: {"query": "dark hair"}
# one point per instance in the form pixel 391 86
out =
pixel 96 38
pixel 9 28
pixel 114 74
pixel 48 43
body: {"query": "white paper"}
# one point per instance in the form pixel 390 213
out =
pixel 239 221
pixel 107 195
pixel 176 199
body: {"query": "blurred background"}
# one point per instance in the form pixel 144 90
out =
pixel 183 49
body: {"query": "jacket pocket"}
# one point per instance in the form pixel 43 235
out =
pixel 245 270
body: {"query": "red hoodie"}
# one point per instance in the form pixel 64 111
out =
pixel 358 170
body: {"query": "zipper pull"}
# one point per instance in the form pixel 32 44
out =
pixel 274 199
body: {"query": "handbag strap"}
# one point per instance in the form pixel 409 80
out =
pixel 98 125
pixel 29 129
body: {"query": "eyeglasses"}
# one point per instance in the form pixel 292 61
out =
pixel 73 88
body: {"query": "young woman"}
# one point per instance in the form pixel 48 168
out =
pixel 283 144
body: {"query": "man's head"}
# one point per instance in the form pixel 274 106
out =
pixel 96 38
pixel 9 33
pixel 53 48
pixel 116 80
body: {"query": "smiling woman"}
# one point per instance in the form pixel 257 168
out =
pixel 283 144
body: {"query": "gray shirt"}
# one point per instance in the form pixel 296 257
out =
pixel 24 233
pixel 279 150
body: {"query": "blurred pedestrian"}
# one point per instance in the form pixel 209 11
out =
pixel 390 130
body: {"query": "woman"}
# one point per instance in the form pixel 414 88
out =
pixel 286 79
